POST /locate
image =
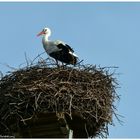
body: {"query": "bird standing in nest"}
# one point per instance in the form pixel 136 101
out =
pixel 58 49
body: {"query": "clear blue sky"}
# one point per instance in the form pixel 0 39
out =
pixel 105 34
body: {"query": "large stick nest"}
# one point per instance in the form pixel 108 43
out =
pixel 84 90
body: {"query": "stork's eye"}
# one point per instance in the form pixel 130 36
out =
pixel 44 30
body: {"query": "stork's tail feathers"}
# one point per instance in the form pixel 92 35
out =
pixel 76 61
pixel 73 60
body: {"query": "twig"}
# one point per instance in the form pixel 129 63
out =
pixel 1 74
pixel 86 130
pixel 27 62
pixel 36 100
pixel 70 106
pixel 36 58
pixel 12 68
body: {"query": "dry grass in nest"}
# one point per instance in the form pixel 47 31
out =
pixel 84 90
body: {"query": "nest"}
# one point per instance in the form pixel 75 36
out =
pixel 84 95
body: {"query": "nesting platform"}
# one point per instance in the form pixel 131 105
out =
pixel 46 101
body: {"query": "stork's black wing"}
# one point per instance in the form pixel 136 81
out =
pixel 65 47
pixel 71 49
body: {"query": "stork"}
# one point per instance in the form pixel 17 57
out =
pixel 58 49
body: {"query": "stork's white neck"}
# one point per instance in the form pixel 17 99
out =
pixel 45 38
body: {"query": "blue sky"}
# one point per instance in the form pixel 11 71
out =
pixel 105 34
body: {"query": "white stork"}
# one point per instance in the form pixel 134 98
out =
pixel 58 49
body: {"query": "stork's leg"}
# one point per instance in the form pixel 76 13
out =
pixel 57 63
pixel 63 65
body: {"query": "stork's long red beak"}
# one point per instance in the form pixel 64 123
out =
pixel 41 33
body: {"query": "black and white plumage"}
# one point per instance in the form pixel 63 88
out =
pixel 58 49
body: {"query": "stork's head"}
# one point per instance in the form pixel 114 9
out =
pixel 45 31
